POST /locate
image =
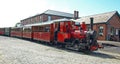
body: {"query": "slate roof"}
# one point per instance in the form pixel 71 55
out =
pixel 53 12
pixel 58 13
pixel 98 18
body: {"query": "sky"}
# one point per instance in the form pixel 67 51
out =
pixel 12 11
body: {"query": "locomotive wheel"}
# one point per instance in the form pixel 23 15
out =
pixel 76 46
pixel 57 44
pixel 61 45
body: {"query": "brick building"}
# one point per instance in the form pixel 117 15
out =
pixel 107 25
pixel 46 16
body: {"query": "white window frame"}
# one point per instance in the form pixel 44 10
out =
pixel 112 30
pixel 116 31
pixel 49 18
pixel 101 30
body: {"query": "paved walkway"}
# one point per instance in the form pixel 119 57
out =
pixel 111 46
pixel 110 42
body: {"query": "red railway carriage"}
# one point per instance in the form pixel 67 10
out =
pixel 39 31
pixel 27 32
pixel 2 31
pixel 41 35
pixel 42 32
pixel 16 32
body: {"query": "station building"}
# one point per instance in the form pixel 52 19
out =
pixel 106 24
pixel 46 16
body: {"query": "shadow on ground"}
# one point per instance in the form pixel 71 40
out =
pixel 95 53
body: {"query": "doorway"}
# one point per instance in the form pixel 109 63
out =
pixel 119 34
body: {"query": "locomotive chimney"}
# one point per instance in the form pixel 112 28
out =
pixel 76 15
pixel 91 23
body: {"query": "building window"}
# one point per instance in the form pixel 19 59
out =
pixel 40 19
pixel 100 30
pixel 32 20
pixel 36 19
pixel 112 31
pixel 49 18
pixel 116 31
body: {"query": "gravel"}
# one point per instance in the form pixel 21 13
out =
pixel 18 51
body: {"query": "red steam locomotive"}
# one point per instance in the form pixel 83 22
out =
pixel 65 32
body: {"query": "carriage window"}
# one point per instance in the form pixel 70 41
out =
pixel 41 28
pixel 35 28
pixel 47 29
pixel 101 30
pixel 40 19
pixel 27 29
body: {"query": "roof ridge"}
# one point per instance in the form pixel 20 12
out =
pixel 57 11
pixel 100 13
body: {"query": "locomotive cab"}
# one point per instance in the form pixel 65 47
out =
pixel 79 31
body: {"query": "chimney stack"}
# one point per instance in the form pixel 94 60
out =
pixel 76 15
